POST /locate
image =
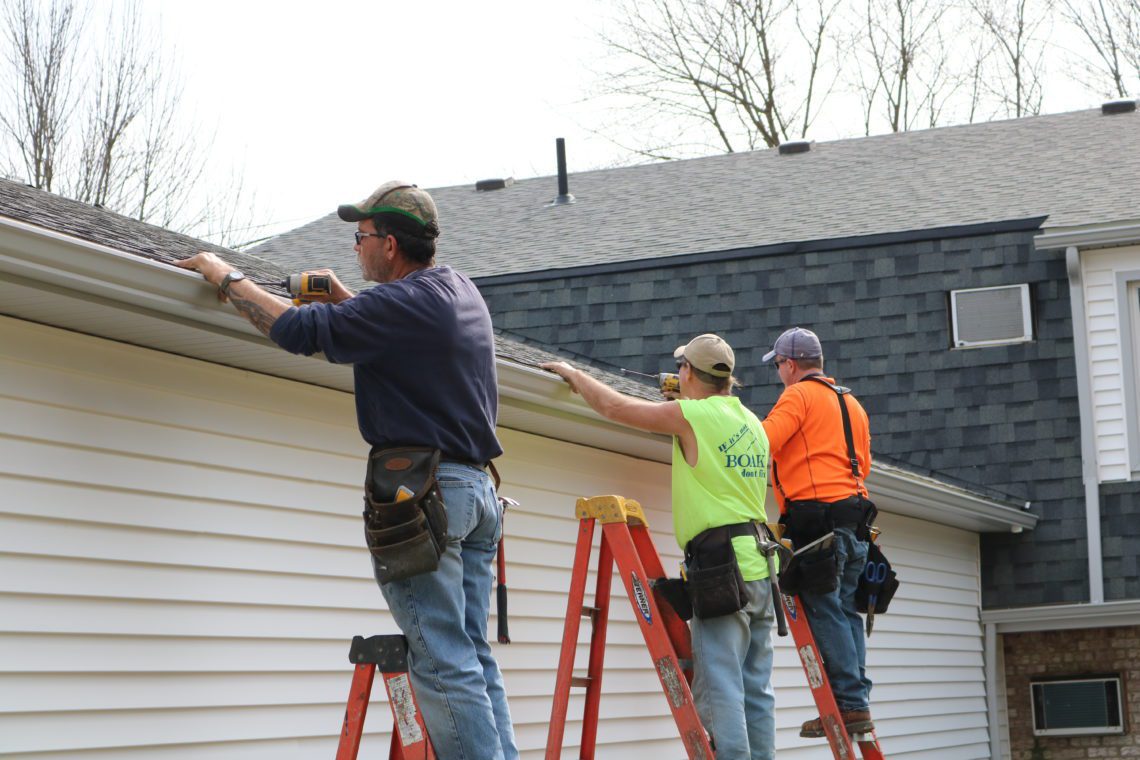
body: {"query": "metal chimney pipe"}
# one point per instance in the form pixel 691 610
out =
pixel 564 195
pixel 563 181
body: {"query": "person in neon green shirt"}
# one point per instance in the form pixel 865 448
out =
pixel 719 478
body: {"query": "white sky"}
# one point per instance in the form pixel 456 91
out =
pixel 321 102
pixel 315 104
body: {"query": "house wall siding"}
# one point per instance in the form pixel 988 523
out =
pixel 181 571
pixel 1105 336
pixel 1003 417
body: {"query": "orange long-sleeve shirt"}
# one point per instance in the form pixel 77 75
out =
pixel 805 433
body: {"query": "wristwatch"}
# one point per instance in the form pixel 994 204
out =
pixel 230 278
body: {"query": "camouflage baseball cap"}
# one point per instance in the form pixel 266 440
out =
pixel 708 353
pixel 405 204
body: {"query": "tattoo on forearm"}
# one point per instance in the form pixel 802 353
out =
pixel 255 313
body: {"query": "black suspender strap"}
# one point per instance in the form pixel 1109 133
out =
pixel 841 392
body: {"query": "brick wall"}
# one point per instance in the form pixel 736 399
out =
pixel 1071 653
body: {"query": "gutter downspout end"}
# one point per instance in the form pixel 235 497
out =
pixel 1088 433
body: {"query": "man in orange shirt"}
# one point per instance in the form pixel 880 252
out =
pixel 818 473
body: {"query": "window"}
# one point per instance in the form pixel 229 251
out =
pixel 1076 706
pixel 991 316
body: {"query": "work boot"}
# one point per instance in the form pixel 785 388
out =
pixel 855 721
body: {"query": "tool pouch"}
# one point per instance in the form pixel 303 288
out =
pixel 673 591
pixel 405 523
pixel 715 585
pixel 883 591
pixel 813 569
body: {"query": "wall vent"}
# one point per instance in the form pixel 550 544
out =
pixel 991 316
pixel 1077 706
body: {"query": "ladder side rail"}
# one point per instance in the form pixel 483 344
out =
pixel 574 602
pixel 356 710
pixel 409 734
pixel 600 618
pixel 648 616
pixel 677 628
pixel 812 661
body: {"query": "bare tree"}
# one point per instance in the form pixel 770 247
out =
pixel 1017 30
pixel 1111 29
pixel 748 73
pixel 119 137
pixel 40 61
pixel 905 75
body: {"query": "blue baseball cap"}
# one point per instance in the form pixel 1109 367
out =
pixel 796 343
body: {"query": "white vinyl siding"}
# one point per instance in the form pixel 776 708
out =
pixel 1114 413
pixel 181 571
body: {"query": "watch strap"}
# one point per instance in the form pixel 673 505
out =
pixel 231 277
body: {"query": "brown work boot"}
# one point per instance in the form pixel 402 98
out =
pixel 855 721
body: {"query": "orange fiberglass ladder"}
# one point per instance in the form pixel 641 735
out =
pixel 389 655
pixel 627 543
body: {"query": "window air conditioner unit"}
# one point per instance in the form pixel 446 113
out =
pixel 991 316
pixel 1073 707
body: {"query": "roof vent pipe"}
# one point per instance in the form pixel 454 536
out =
pixel 1126 105
pixel 564 195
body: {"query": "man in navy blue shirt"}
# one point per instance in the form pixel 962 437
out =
pixel 423 358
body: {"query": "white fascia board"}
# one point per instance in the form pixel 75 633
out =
pixel 1064 617
pixel 533 400
pixel 1124 232
pixel 53 258
pixel 930 499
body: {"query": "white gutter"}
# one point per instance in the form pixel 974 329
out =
pixel 1091 236
pixel 1059 617
pixel 539 402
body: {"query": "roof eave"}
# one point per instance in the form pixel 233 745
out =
pixel 1124 232
pixel 1064 617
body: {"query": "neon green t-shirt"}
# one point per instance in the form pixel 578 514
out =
pixel 730 480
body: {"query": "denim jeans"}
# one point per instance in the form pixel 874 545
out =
pixel 444 616
pixel 732 678
pixel 838 629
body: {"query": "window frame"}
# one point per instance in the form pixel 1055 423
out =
pixel 1028 336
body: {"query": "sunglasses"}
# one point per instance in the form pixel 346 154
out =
pixel 361 235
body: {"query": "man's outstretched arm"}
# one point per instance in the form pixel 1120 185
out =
pixel 256 304
pixel 656 417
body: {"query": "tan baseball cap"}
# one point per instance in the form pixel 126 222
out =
pixel 403 203
pixel 708 353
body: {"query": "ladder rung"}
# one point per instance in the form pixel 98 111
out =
pixel 590 612
pixel 580 680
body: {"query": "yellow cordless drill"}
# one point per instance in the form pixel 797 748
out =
pixel 304 286
pixel 668 382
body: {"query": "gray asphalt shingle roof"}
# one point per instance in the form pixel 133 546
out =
pixel 96 225
pixel 1078 168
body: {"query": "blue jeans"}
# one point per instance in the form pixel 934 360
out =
pixel 444 616
pixel 732 678
pixel 838 629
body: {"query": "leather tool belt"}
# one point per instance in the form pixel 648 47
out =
pixel 405 523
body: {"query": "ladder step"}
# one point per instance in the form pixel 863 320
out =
pixel 590 612
pixel 580 680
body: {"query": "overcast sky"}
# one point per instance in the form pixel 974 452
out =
pixel 316 104
pixel 321 102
